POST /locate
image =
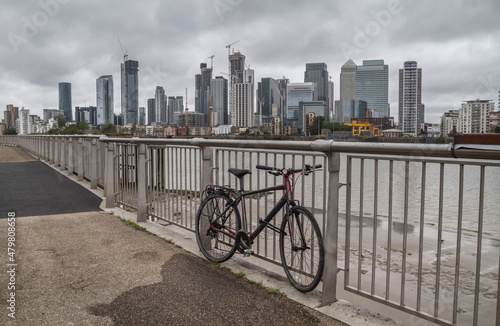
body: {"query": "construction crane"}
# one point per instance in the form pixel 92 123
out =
pixel 186 122
pixel 211 61
pixel 228 47
pixel 125 52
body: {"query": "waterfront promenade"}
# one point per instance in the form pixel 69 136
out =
pixel 77 264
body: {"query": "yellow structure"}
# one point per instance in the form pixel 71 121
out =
pixel 362 128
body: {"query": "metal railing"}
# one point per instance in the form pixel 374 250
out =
pixel 415 226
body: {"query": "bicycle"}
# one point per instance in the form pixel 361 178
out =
pixel 221 229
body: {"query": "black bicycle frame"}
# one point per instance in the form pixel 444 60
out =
pixel 279 205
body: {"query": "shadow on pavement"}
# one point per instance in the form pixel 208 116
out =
pixel 194 293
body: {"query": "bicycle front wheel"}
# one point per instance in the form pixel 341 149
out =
pixel 301 249
pixel 217 223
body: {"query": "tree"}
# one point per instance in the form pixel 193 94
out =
pixel 61 122
pixel 497 130
pixel 108 129
pixel 10 131
pixel 339 126
pixel 313 127
pixel 265 130
pixel 82 126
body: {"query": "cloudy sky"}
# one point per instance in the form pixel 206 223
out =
pixel 44 42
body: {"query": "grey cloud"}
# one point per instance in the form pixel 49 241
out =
pixel 455 43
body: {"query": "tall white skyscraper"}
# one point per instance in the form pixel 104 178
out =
pixel 218 87
pixel 24 122
pixel 410 98
pixel 105 99
pixel 236 67
pixel 244 100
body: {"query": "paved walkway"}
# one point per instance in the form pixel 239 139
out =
pixel 79 265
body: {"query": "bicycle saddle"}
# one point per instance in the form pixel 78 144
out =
pixel 240 173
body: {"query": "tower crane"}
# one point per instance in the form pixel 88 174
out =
pixel 228 47
pixel 125 52
pixel 211 61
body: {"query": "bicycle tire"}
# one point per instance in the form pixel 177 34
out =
pixel 303 265
pixel 216 234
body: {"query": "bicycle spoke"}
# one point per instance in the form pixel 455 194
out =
pixel 301 247
pixel 216 227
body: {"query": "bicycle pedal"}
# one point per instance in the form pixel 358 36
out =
pixel 247 252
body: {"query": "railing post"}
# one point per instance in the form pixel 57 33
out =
pixel 79 159
pixel 142 203
pixel 52 144
pixel 332 228
pixel 206 167
pixel 93 164
pixel 109 190
pixel 56 151
pixel 70 152
pixel 63 154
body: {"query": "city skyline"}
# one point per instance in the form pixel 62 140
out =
pixel 69 48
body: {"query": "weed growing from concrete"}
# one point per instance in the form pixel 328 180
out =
pixel 275 291
pixel 239 274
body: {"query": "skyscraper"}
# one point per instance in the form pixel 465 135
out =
pixel 270 96
pixel 473 116
pixel 88 114
pixel 141 120
pixel 218 88
pixel 65 100
pixel 244 100
pixel 11 114
pixel 175 106
pixel 318 73
pixel 372 86
pixel 151 111
pixel 296 93
pixel 410 98
pixel 236 67
pixel 202 91
pixel 24 122
pixel 347 88
pixel 105 99
pixel 130 91
pixel 160 105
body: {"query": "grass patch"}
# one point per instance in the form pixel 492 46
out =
pixel 259 283
pixel 135 225
pixel 239 274
pixel 167 240
pixel 216 263
pixel 275 291
pixel 225 267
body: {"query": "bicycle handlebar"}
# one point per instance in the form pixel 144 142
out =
pixel 307 168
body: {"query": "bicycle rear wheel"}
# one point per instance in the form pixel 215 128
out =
pixel 301 249
pixel 217 224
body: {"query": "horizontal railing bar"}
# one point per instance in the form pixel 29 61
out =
pixel 427 150
pixel 427 160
